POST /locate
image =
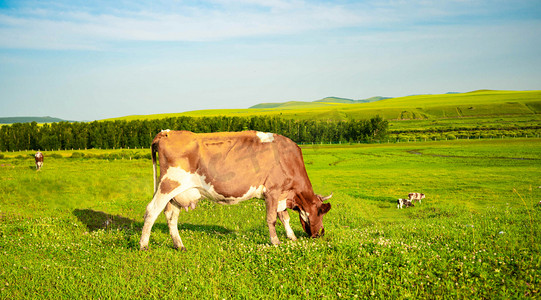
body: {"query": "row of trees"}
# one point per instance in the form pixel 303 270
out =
pixel 139 133
pixel 472 134
pixel 451 133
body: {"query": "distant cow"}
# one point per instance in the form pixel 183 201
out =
pixel 404 203
pixel 39 160
pixel 229 167
pixel 416 196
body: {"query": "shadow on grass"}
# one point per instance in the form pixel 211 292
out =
pixel 98 220
pixel 131 229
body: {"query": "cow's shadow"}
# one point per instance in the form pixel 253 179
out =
pixel 99 220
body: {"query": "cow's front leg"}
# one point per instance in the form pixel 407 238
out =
pixel 284 217
pixel 271 219
pixel 171 214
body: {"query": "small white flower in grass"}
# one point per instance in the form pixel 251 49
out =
pixel 501 232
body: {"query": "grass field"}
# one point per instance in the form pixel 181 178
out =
pixel 72 229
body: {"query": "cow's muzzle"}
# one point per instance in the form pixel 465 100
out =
pixel 320 233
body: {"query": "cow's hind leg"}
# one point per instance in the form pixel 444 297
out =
pixel 284 218
pixel 155 207
pixel 171 214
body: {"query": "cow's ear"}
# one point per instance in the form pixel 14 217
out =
pixel 324 208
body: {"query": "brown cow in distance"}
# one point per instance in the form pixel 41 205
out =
pixel 229 167
pixel 39 160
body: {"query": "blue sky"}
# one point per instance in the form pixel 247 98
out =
pixel 87 60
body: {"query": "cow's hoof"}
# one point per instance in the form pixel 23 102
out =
pixel 275 241
pixel 143 248
pixel 182 249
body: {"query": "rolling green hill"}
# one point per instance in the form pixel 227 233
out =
pixel 477 111
pixel 477 104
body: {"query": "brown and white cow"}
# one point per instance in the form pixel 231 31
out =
pixel 39 160
pixel 229 167
pixel 416 196
pixel 404 203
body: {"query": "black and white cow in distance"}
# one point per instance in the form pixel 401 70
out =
pixel 39 160
pixel 404 203
pixel 229 167
pixel 416 197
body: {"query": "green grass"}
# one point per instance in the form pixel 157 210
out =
pixel 72 229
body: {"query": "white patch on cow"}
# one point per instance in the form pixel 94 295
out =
pixel 166 130
pixel 282 205
pixel 265 137
pixel 194 187
pixel 304 215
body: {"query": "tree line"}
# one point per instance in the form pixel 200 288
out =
pixel 139 133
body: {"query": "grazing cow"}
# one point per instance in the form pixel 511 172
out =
pixel 416 196
pixel 229 167
pixel 404 203
pixel 39 160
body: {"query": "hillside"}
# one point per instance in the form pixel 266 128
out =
pixel 328 101
pixel 477 104
pixel 11 120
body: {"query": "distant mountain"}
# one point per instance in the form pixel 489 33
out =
pixel 350 101
pixel 11 120
pixel 321 101
pixel 336 100
pixel 282 104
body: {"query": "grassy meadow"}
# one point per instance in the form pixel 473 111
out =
pixel 72 229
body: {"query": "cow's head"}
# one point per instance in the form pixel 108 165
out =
pixel 312 218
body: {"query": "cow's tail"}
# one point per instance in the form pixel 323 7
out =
pixel 154 149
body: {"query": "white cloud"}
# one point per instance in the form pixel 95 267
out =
pixel 82 27
pixel 74 29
